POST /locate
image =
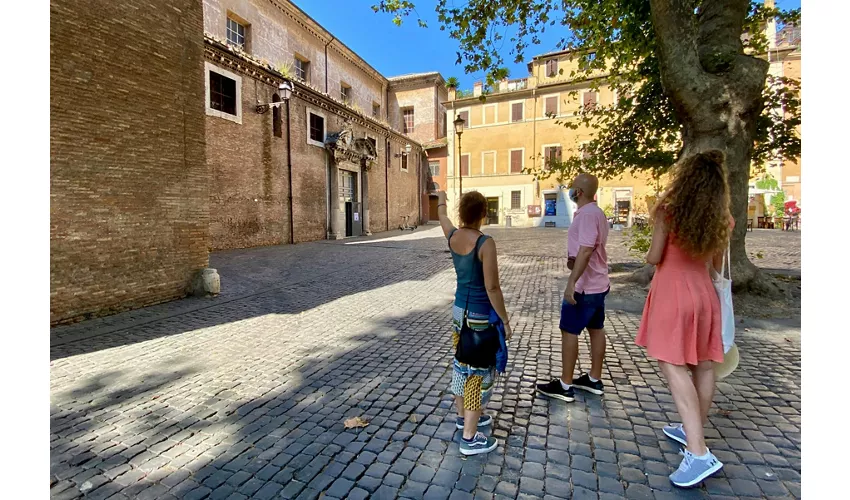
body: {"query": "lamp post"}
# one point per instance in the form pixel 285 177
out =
pixel 459 131
pixel 285 93
pixel 285 88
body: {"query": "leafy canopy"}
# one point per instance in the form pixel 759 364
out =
pixel 639 132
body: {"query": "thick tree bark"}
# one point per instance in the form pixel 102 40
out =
pixel 716 91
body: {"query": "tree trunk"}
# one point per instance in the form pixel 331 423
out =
pixel 716 91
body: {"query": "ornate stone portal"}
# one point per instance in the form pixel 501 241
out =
pixel 354 155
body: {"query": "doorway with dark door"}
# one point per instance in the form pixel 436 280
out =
pixel 432 208
pixel 492 211
pixel 348 193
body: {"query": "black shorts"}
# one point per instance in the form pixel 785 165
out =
pixel 588 312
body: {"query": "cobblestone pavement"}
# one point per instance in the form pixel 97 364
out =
pixel 244 395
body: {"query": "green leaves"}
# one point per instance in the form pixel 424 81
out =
pixel 639 132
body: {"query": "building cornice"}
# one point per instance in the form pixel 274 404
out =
pixel 298 16
pixel 526 92
pixel 237 61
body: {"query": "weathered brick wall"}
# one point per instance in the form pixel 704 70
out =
pixel 426 126
pixel 279 33
pixel 129 191
pixel 404 193
pixel 248 175
pixel 248 164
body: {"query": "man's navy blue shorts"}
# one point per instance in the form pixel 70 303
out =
pixel 589 312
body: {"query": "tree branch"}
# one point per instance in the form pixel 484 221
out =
pixel 680 68
pixel 720 23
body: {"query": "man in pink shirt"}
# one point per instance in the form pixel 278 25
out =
pixel 584 299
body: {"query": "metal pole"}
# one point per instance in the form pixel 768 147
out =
pixel 289 173
pixel 460 166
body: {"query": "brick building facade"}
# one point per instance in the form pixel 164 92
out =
pixel 249 163
pixel 338 104
pixel 129 191
pixel 161 152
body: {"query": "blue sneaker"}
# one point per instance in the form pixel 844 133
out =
pixel 483 421
pixel 479 444
pixel 693 470
pixel 677 433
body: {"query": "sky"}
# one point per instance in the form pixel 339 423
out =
pixel 394 50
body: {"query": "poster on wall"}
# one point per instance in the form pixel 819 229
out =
pixel 534 210
pixel 551 207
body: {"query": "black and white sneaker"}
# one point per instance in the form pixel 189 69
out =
pixel 584 383
pixel 554 389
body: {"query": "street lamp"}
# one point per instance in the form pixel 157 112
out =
pixel 459 131
pixel 407 149
pixel 285 88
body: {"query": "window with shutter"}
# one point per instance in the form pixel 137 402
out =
pixel 550 106
pixel 589 100
pixel 516 112
pixel 551 68
pixel 516 161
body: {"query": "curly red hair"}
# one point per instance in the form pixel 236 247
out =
pixel 696 207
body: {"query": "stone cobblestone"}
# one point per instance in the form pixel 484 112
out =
pixel 245 395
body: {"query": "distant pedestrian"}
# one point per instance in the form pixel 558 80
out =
pixel 584 298
pixel 479 320
pixel 681 323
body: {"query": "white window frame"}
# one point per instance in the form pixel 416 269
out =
pixel 557 104
pixel 349 99
pixel 316 112
pixel 495 161
pixel 546 67
pixel 484 114
pixel 511 110
pixel 404 122
pixel 431 170
pixel 401 159
pixel 245 26
pixel 543 151
pixel 233 76
pixel 302 60
pixel 522 158
pixel 511 197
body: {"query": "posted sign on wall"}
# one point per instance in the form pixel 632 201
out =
pixel 534 210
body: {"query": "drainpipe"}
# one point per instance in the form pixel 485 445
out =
pixel 289 172
pixel 419 187
pixel 534 139
pixel 326 63
pixel 387 182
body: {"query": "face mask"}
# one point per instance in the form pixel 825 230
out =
pixel 573 194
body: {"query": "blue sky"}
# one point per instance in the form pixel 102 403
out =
pixel 394 50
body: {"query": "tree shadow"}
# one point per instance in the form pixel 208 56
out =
pixel 292 437
pixel 284 280
pixel 269 421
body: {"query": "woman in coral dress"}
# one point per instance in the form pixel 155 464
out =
pixel 681 325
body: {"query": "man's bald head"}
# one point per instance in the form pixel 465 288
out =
pixel 587 184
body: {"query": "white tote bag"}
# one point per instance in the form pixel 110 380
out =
pixel 723 285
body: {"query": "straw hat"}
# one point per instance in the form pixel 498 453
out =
pixel 730 362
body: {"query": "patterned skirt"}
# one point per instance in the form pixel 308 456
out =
pixel 473 384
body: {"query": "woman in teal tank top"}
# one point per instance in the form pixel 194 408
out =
pixel 480 320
